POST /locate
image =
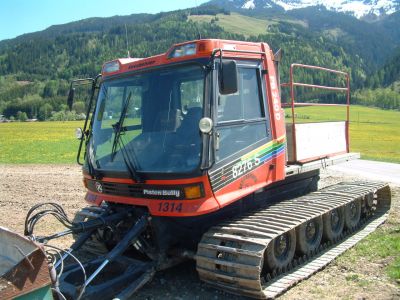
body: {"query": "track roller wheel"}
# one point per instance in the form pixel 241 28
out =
pixel 280 251
pixel 367 205
pixel 369 200
pixel 308 236
pixel 333 223
pixel 352 213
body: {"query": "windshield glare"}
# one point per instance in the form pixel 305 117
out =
pixel 160 128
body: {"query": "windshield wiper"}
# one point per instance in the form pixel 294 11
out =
pixel 130 162
pixel 118 129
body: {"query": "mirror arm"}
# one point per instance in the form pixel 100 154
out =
pixel 85 129
pixel 214 52
pixel 220 60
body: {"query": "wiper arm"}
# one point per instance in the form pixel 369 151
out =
pixel 118 128
pixel 130 163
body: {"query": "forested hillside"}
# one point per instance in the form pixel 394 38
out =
pixel 384 88
pixel 35 68
pixel 36 71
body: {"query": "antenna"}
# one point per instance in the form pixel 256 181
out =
pixel 126 38
pixel 195 23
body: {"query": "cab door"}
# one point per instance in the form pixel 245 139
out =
pixel 244 149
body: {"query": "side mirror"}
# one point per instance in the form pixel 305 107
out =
pixel 79 133
pixel 70 100
pixel 228 78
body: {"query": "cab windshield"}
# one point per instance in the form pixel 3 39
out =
pixel 155 116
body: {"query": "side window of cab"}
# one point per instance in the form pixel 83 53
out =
pixel 241 117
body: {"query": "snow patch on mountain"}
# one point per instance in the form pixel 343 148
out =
pixel 249 4
pixel 358 8
pixel 289 5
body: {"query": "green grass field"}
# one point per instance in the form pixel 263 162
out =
pixel 39 142
pixel 373 132
pixel 380 245
pixel 248 26
pixel 237 23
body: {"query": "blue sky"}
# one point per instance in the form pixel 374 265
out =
pixel 22 16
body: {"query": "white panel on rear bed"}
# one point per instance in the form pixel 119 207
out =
pixel 316 140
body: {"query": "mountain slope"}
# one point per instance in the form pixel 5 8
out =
pixel 35 68
pixel 390 73
pixel 384 86
pixel 372 42
pixel 369 41
pixel 391 26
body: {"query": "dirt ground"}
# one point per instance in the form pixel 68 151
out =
pixel 22 186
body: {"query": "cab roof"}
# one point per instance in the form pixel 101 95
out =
pixel 189 51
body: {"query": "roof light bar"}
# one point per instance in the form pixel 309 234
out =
pixel 183 50
pixel 111 67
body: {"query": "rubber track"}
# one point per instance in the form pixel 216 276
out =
pixel 230 256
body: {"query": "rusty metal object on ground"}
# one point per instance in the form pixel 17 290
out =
pixel 24 268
